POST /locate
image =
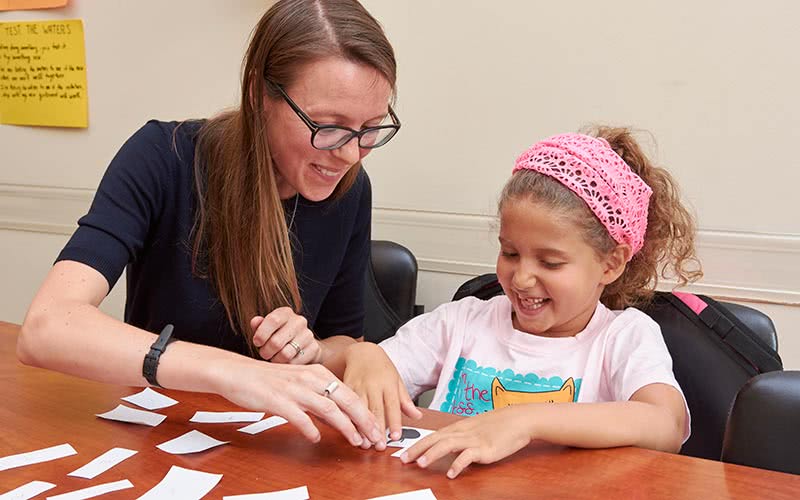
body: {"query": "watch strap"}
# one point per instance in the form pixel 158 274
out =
pixel 150 365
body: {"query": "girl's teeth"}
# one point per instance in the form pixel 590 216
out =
pixel 528 303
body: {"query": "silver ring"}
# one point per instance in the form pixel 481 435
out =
pixel 296 348
pixel 330 389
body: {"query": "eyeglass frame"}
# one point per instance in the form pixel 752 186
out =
pixel 315 127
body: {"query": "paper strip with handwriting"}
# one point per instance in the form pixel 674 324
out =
pixel 35 457
pixel 267 423
pixel 425 494
pixel 150 399
pixel 27 491
pixel 191 442
pixel 94 491
pixel 123 413
pixel 102 463
pixel 299 493
pixel 182 484
pixel 222 417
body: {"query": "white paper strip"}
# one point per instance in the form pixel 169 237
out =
pixel 267 423
pixel 408 442
pixel 191 442
pixel 27 491
pixel 38 456
pixel 223 417
pixel 182 484
pixel 123 413
pixel 94 491
pixel 102 463
pixel 299 493
pixel 150 399
pixel 425 494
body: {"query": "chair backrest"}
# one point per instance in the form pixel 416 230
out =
pixel 390 290
pixel 758 322
pixel 762 428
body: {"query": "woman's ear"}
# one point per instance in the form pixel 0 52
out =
pixel 615 262
pixel 256 91
pixel 252 93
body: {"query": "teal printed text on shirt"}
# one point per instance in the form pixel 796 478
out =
pixel 474 389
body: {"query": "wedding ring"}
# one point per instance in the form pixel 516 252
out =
pixel 296 348
pixel 330 389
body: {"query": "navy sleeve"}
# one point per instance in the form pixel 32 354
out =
pixel 342 312
pixel 126 206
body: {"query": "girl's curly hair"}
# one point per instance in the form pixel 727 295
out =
pixel 668 250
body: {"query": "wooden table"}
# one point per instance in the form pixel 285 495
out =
pixel 40 408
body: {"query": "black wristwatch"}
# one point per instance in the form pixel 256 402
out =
pixel 150 365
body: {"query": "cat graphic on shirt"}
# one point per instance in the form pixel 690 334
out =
pixel 502 397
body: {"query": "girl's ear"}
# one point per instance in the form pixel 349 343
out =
pixel 615 262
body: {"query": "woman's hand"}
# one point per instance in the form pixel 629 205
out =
pixel 292 391
pixel 282 336
pixel 484 439
pixel 372 375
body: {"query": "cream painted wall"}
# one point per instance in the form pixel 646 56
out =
pixel 715 82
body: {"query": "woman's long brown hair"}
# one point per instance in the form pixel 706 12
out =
pixel 240 238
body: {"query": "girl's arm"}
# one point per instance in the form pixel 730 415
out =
pixel 367 369
pixel 65 331
pixel 654 417
pixel 331 346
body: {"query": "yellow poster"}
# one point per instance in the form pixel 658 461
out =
pixel 31 4
pixel 43 74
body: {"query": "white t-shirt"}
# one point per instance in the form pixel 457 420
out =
pixel 470 352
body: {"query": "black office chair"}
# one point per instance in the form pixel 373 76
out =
pixel 762 428
pixel 390 290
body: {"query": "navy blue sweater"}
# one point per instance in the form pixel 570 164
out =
pixel 142 215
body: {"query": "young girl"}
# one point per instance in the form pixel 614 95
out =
pixel 587 226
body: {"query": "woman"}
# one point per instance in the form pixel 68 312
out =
pixel 246 232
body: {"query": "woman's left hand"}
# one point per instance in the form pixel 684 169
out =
pixel 282 336
pixel 483 439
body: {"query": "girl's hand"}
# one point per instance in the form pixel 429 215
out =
pixel 292 391
pixel 372 375
pixel 283 337
pixel 484 439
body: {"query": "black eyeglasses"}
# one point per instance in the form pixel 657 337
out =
pixel 327 137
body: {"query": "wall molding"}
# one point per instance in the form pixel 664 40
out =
pixel 765 266
pixel 42 209
pixel 738 265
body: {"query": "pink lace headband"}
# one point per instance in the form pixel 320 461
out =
pixel 592 170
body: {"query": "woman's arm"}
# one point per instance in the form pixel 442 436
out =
pixel 654 418
pixel 65 331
